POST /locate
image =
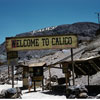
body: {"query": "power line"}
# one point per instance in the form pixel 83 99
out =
pixel 98 15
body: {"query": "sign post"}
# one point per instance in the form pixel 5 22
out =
pixel 38 75
pixel 12 68
pixel 65 70
pixel 12 61
pixel 34 86
pixel 72 66
pixel 9 71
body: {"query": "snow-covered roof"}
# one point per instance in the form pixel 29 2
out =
pixel 32 64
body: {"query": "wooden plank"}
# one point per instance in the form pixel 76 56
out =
pixel 50 78
pixel 38 78
pixel 96 65
pixel 64 67
pixel 66 77
pixel 12 55
pixel 80 69
pixel 56 67
pixel 12 76
pixel 72 66
pixel 60 65
pixel 93 64
pixel 88 80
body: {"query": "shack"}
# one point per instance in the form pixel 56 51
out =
pixel 85 66
pixel 35 70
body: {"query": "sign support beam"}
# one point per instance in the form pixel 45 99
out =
pixel 12 68
pixel 66 77
pixel 34 86
pixel 65 70
pixel 72 66
pixel 50 78
pixel 88 81
pixel 8 72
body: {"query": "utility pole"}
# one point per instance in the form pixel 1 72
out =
pixel 73 70
pixel 98 15
pixel 12 76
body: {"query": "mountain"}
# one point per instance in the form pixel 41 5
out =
pixel 80 28
pixel 86 31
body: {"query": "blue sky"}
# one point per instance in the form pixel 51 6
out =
pixel 19 16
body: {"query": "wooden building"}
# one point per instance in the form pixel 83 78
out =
pixel 85 66
pixel 35 70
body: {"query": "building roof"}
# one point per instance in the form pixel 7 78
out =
pixel 40 64
pixel 32 64
pixel 83 59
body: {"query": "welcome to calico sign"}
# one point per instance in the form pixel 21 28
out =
pixel 41 42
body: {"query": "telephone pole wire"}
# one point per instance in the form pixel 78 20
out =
pixel 98 15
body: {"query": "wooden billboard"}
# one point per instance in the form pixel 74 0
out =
pixel 41 42
pixel 12 54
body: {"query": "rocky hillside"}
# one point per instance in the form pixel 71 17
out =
pixel 86 32
pixel 92 49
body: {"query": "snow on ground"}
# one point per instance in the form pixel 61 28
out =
pixel 7 86
pixel 39 94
